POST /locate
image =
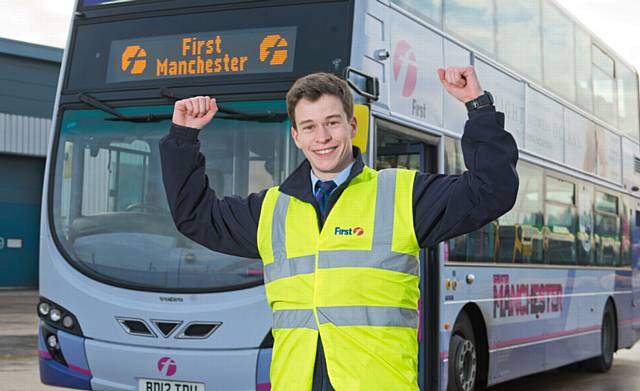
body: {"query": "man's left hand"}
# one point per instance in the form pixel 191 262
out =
pixel 461 83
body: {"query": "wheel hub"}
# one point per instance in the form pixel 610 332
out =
pixel 466 365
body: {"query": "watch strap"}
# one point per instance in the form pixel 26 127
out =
pixel 483 100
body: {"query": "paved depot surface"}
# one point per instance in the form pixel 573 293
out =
pixel 19 362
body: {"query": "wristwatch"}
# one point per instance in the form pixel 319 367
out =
pixel 483 100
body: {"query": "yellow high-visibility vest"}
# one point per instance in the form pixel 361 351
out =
pixel 356 282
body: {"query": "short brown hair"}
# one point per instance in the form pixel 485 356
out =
pixel 313 86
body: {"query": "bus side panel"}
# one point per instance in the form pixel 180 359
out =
pixel 635 321
pixel 590 283
pixel 635 278
pixel 448 315
pixel 502 296
pixel 537 319
pixel 623 301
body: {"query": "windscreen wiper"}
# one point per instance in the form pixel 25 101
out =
pixel 228 114
pixel 231 114
pixel 118 116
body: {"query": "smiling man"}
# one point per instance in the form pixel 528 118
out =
pixel 340 240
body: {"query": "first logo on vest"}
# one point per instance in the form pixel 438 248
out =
pixel 358 231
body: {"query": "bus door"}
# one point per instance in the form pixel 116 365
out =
pixel 401 147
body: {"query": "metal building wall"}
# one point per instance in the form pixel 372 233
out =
pixel 20 194
pixel 28 80
pixel 24 135
pixel 29 76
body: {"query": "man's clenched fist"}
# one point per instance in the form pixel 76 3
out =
pixel 462 83
pixel 194 112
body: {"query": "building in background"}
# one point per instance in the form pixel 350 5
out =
pixel 28 81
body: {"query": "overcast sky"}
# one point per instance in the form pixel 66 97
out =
pixel 47 22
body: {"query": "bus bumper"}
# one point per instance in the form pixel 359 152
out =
pixel 120 367
pixel 73 371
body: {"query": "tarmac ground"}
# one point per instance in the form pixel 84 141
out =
pixel 19 360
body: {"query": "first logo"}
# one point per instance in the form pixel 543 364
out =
pixel 134 60
pixel 167 366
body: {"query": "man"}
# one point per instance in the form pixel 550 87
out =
pixel 340 241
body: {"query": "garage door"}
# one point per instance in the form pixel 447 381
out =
pixel 20 197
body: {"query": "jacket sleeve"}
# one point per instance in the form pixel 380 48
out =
pixel 228 225
pixel 450 205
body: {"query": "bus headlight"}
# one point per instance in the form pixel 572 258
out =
pixel 52 341
pixel 55 315
pixel 43 308
pixel 67 322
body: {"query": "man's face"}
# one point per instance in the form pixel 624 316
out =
pixel 324 135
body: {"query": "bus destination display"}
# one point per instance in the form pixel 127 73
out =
pixel 250 51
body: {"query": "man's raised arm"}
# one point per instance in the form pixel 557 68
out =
pixel 450 205
pixel 228 225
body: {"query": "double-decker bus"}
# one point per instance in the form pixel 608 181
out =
pixel 128 303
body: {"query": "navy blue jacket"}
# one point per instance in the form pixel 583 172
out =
pixel 444 206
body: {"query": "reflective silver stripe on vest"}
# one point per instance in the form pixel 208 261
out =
pixel 282 266
pixel 384 213
pixel 278 227
pixel 397 262
pixel 368 316
pixel 289 267
pixel 380 256
pixel 294 319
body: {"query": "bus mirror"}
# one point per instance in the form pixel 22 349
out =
pixel 363 84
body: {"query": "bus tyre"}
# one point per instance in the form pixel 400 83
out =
pixel 463 357
pixel 603 362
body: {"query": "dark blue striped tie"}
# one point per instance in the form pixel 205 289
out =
pixel 323 190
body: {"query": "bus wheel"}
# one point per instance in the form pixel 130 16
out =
pixel 603 362
pixel 463 360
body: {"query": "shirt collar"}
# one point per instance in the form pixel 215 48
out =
pixel 339 179
pixel 298 183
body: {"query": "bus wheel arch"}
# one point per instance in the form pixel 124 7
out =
pixel 469 321
pixel 611 301
pixel 609 330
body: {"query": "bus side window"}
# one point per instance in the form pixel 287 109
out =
pixel 560 222
pixel 481 243
pixel 607 230
pixel 625 232
pixel 520 230
pixel 472 21
pixel 584 237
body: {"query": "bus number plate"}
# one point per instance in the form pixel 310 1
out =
pixel 167 385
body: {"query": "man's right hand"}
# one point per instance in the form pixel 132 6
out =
pixel 194 112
